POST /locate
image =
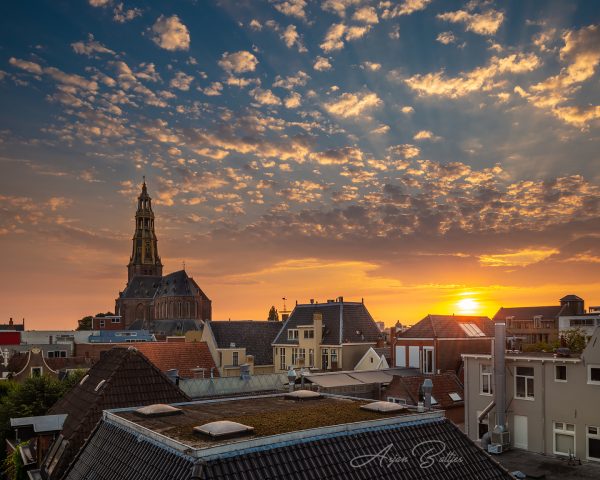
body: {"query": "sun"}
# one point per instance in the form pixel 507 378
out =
pixel 467 306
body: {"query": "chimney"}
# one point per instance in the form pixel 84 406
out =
pixel 427 389
pixel 10 322
pixel 500 375
pixel 312 301
pixel 318 324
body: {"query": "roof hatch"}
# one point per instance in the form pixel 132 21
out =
pixel 223 428
pixel 158 410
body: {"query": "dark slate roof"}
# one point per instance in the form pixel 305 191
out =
pixel 571 298
pixel 177 284
pixel 447 326
pixel 443 385
pixel 527 313
pixel 114 453
pixel 256 336
pixel 168 327
pixel 355 320
pixel 141 286
pixel 130 379
pixel 16 327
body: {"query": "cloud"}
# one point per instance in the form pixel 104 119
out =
pixel 581 53
pixel 338 156
pixel 238 62
pixel 381 129
pixel 300 79
pixel 521 258
pixel 90 47
pixel 181 81
pixel 30 67
pixel 213 90
pixel 334 38
pixel 338 6
pixel 366 15
pixel 350 105
pixel 265 97
pixel 407 110
pixel 291 37
pixel 406 151
pixel 170 33
pixel 120 15
pixel 446 38
pixel 322 64
pixel 405 8
pixel 292 8
pixel 481 78
pixel 99 3
pixel 293 101
pixel 426 135
pixel 373 67
pixel 255 25
pixel 486 23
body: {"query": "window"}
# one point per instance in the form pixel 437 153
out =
pixel 324 359
pixel 537 321
pixel 524 383
pixel 292 334
pixel 582 322
pixel 594 374
pixel 36 371
pixel 309 334
pixel 455 397
pixel 301 356
pixel 560 373
pixel 294 356
pixel 483 426
pixel 235 359
pixel 101 323
pixel 311 357
pixel 57 354
pixel 486 383
pixel 400 401
pixel 221 359
pixel 334 358
pixel 115 320
pixel 282 359
pixel 428 360
pixel 593 443
pixel 471 330
pixel 564 438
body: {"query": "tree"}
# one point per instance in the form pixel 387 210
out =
pixel 574 339
pixel 273 315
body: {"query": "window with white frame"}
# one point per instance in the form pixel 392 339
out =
pixel 428 362
pixel 486 381
pixel 301 356
pixel 311 357
pixel 537 321
pixel 593 443
pixel 324 358
pixel 399 401
pixel 524 383
pixel 282 365
pixel 564 438
pixel 294 356
pixel 292 334
pixel 560 373
pixel 115 320
pixel 334 357
pixel 101 323
pixel 594 374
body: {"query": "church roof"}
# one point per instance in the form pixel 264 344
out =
pixel 177 284
pixel 141 286
pixel 123 377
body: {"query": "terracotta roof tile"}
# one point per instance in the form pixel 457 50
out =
pixel 443 385
pixel 181 356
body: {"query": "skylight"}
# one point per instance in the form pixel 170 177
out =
pixel 223 428
pixel 455 396
pixel 471 330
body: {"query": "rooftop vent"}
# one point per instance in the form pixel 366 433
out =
pixel 223 428
pixel 99 386
pixel 157 410
pixel 563 352
pixel 383 407
pixel 82 381
pixel 303 395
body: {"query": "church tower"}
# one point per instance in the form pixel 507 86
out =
pixel 144 256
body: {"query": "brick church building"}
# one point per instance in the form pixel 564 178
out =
pixel 165 304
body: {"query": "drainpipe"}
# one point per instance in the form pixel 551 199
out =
pixel 500 375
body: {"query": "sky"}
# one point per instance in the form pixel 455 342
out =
pixel 428 156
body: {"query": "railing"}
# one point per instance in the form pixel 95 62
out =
pixel 207 387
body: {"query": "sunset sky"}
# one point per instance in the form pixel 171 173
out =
pixel 427 156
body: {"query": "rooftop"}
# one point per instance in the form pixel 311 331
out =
pixel 450 326
pixel 185 357
pixel 329 437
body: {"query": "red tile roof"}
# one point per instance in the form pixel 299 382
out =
pixel 447 326
pixel 181 356
pixel 443 385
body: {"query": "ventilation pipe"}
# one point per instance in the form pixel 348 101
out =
pixel 500 376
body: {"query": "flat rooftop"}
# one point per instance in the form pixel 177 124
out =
pixel 274 419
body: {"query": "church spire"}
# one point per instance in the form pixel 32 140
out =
pixel 144 256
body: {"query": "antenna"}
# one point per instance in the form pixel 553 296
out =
pixel 284 307
pixel 183 264
pixel 144 178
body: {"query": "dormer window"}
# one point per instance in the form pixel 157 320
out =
pixel 309 334
pixel 292 334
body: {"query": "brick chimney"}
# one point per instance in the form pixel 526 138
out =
pixel 318 324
